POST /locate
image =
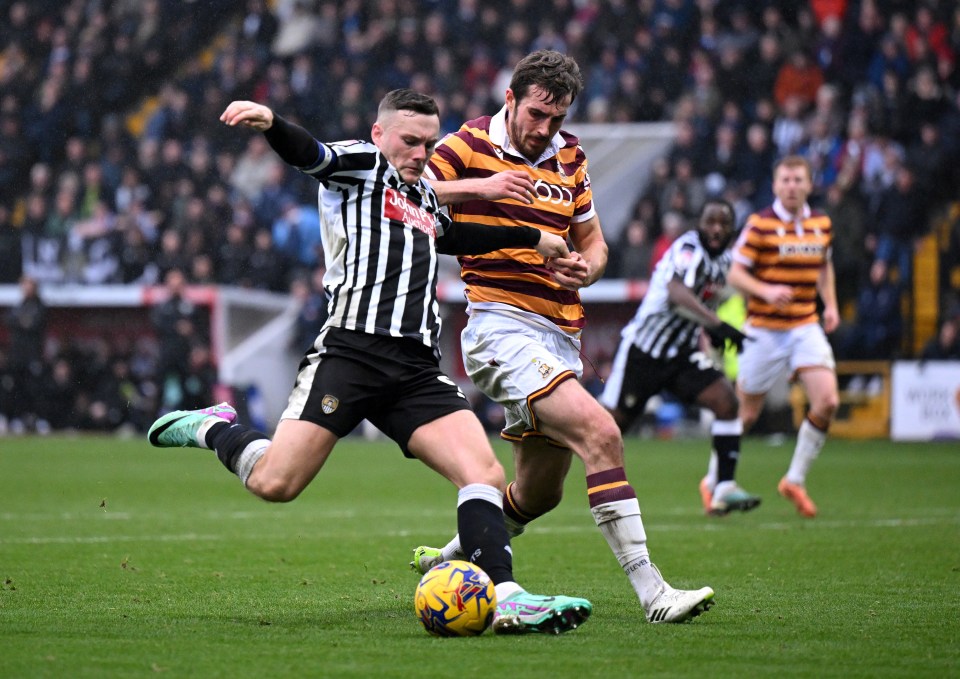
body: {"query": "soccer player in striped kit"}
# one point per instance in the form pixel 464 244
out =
pixel 521 346
pixel 781 262
pixel 661 348
pixel 377 355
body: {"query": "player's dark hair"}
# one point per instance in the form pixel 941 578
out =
pixel 556 74
pixel 406 99
pixel 716 200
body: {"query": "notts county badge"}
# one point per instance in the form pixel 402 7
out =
pixel 329 404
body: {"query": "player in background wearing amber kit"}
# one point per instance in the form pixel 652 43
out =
pixel 522 341
pixel 377 355
pixel 781 261
pixel 662 347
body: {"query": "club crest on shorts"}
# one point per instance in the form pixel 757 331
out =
pixel 543 368
pixel 329 404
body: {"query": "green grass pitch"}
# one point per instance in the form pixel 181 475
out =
pixel 119 560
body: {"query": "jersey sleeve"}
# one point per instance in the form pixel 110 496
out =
pixel 583 197
pixel 747 247
pixel 451 157
pixel 685 260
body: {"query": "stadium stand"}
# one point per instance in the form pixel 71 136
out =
pixel 114 168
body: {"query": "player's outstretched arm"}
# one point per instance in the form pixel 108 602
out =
pixel 507 184
pixel 291 142
pixel 468 238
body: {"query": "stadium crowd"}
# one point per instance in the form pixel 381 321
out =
pixel 115 169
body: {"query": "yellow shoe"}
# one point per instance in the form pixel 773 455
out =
pixel 798 496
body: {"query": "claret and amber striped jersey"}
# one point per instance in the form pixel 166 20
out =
pixel 779 249
pixel 515 279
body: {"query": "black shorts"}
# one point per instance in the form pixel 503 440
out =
pixel 684 376
pixel 395 383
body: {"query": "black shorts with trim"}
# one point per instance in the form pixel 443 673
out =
pixel 685 376
pixel 394 382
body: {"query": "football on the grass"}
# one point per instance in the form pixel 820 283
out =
pixel 455 599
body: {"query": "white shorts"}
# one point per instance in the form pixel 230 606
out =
pixel 770 354
pixel 515 361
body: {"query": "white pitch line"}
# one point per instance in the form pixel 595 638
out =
pixel 98 539
pixel 706 526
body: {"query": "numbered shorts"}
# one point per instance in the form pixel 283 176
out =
pixel 396 383
pixel 515 362
pixel 771 354
pixel 636 376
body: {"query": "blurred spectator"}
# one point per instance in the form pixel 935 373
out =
pixel 755 165
pixel 878 327
pixel 266 269
pixel 687 184
pixel 179 324
pixel 900 219
pixel 198 378
pixel 788 128
pixel 799 77
pixel 671 226
pixel 946 345
pixel 296 234
pixel 634 252
pixel 928 156
pixel 11 241
pixel 27 322
pixel 309 294
pixel 850 259
pixel 59 393
pixel 822 150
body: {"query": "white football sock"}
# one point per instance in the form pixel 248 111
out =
pixel 621 525
pixel 809 442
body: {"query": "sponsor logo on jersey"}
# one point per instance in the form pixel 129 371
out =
pixel 801 249
pixel 552 193
pixel 400 208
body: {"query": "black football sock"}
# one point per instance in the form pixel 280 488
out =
pixel 484 538
pixel 229 440
pixel 728 451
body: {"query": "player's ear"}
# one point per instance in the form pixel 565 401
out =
pixel 376 133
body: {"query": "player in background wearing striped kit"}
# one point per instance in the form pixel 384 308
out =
pixel 521 346
pixel 662 347
pixel 781 262
pixel 377 355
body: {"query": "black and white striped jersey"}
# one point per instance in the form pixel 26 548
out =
pixel 657 328
pixel 379 244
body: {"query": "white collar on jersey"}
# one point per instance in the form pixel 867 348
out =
pixel 786 216
pixel 790 218
pixel 499 136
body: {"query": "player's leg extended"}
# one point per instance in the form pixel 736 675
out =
pixel 295 456
pixel 456 446
pixel 726 430
pixel 593 436
pixel 276 471
pixel 821 387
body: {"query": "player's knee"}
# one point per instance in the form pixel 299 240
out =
pixel 826 407
pixel 726 409
pixel 748 417
pixel 491 474
pixel 603 442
